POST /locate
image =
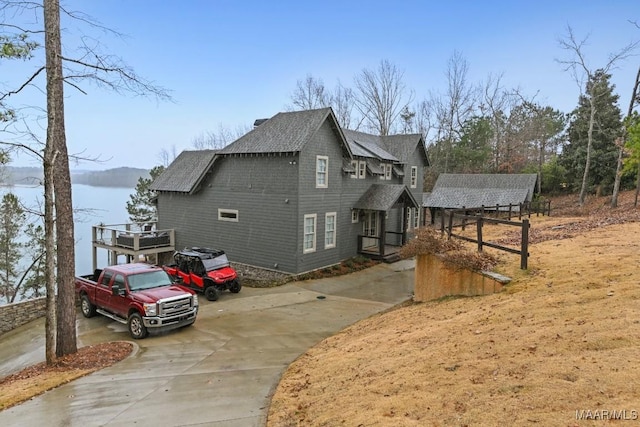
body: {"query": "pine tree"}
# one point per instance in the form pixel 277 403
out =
pixel 12 219
pixel 141 207
pixel 607 126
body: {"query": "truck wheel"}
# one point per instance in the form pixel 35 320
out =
pixel 88 309
pixel 235 287
pixel 136 326
pixel 211 293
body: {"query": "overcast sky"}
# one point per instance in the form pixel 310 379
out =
pixel 230 62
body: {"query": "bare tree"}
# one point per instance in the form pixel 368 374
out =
pixel 381 96
pixel 342 103
pixel 105 71
pixel 582 73
pixel 456 106
pixel 56 140
pixel 166 156
pixel 424 117
pixel 309 94
pixel 218 139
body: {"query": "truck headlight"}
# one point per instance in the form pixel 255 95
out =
pixel 150 309
pixel 195 300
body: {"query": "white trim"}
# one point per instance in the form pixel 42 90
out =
pixel 355 216
pixel 362 169
pixel 322 175
pixel 387 171
pixel 414 176
pixel 330 242
pixel 416 218
pixel 354 165
pixel 230 215
pixel 312 233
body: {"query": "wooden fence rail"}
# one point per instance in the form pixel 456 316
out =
pixel 480 221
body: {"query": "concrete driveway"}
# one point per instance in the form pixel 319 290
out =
pixel 219 372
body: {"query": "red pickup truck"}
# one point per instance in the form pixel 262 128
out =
pixel 142 296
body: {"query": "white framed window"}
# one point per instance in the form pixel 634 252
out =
pixel 416 217
pixel 330 230
pixel 362 169
pixel 322 166
pixel 386 171
pixel 228 215
pixel 354 165
pixel 414 176
pixel 408 223
pixel 355 216
pixel 370 224
pixel 309 232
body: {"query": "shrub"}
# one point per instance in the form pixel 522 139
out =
pixel 453 252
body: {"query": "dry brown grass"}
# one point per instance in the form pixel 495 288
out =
pixel 564 336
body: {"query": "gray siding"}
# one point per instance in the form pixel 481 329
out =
pixel 264 192
pixel 320 201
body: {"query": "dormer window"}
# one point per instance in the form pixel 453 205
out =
pixel 386 169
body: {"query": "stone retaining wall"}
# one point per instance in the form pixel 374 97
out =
pixel 434 279
pixel 20 313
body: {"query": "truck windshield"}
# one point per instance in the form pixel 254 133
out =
pixel 148 280
pixel 216 263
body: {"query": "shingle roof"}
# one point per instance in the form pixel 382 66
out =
pixel 393 148
pixel 382 197
pixel 283 133
pixel 185 172
pixel 477 190
pixel 403 146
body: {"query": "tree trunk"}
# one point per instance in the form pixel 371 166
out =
pixel 616 183
pixel 585 176
pixel 66 310
pixel 50 257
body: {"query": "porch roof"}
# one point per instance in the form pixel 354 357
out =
pixel 382 197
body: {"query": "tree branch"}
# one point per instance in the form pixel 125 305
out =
pixel 25 84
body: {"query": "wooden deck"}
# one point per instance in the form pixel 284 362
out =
pixel 130 240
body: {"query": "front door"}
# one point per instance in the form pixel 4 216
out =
pixel 371 230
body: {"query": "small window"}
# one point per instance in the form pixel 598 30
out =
pixel 362 169
pixel 408 223
pixel 386 171
pixel 355 215
pixel 322 163
pixel 414 176
pixel 330 230
pixel 354 165
pixel 416 217
pixel 228 215
pixel 309 243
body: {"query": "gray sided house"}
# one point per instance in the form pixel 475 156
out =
pixel 473 191
pixel 295 194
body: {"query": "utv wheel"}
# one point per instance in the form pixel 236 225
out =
pixel 235 287
pixel 136 326
pixel 211 293
pixel 88 309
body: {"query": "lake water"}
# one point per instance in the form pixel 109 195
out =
pixel 92 205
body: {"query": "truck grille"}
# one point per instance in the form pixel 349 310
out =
pixel 175 305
